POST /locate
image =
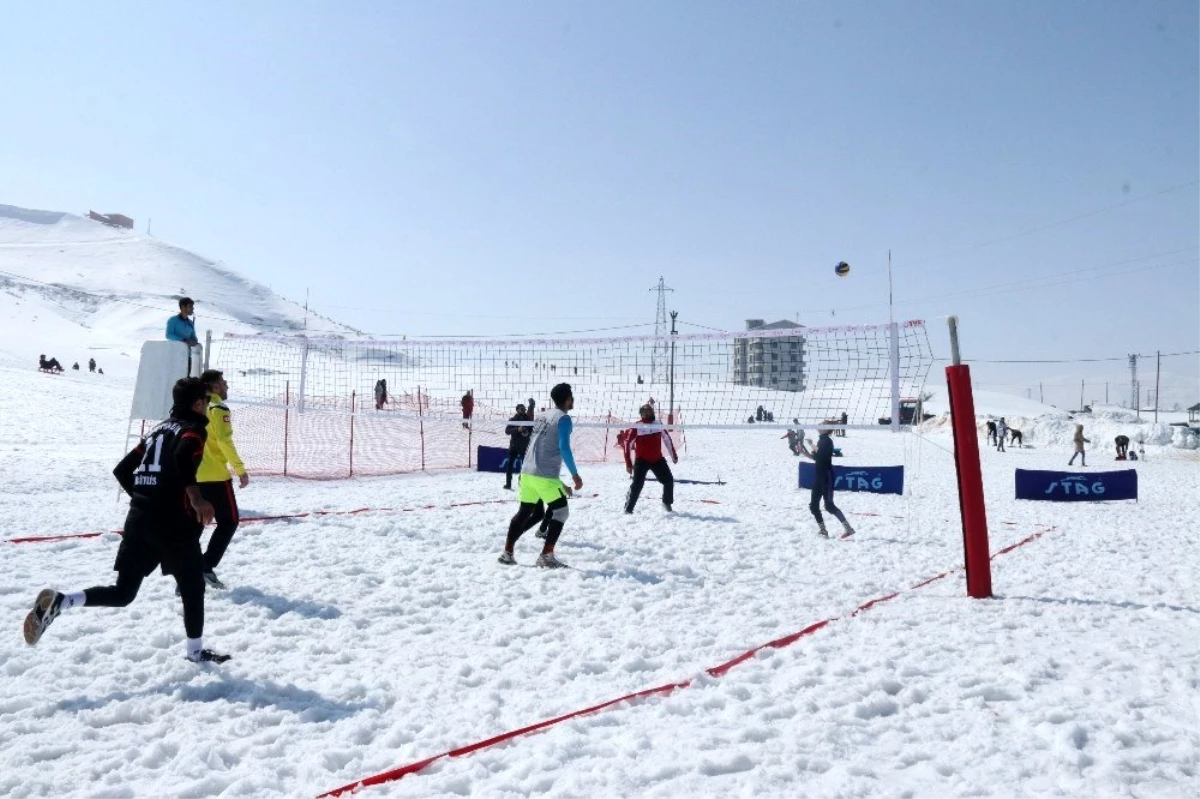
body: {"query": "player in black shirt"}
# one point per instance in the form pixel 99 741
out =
pixel 823 484
pixel 166 516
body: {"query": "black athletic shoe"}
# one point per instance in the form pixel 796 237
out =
pixel 45 610
pixel 212 580
pixel 823 532
pixel 667 507
pixel 209 656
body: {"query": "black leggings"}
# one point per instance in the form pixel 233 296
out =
pixel 824 491
pixel 529 515
pixel 226 514
pixel 191 591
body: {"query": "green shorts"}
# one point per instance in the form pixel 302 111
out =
pixel 546 489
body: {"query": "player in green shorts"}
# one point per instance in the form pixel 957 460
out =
pixel 549 449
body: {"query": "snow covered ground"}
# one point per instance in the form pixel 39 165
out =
pixel 72 289
pixel 363 642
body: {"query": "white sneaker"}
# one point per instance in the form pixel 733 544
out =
pixel 548 561
pixel 45 610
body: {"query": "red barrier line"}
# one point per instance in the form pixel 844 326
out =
pixel 37 539
pixel 715 671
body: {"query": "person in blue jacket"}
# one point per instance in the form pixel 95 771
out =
pixel 180 327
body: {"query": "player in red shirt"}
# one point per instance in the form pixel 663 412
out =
pixel 647 440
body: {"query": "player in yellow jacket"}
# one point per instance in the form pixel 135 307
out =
pixel 216 485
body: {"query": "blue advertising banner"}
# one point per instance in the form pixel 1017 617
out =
pixel 1076 486
pixel 873 479
pixel 494 459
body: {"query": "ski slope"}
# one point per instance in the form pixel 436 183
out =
pixel 73 289
pixel 366 641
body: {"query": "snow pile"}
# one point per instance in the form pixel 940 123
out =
pixel 1047 427
pixel 74 289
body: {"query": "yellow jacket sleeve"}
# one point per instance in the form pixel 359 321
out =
pixel 219 451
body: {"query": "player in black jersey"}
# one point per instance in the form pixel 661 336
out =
pixel 166 516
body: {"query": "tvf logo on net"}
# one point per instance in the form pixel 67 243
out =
pixel 1077 485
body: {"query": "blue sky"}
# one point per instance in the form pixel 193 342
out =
pixel 492 168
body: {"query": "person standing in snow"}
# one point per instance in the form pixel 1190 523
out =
pixel 518 442
pixel 468 407
pixel 823 481
pixel 1079 442
pixel 213 475
pixel 166 515
pixel 1001 434
pixel 648 440
pixel 182 327
pixel 549 449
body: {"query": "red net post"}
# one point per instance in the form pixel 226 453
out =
pixel 970 482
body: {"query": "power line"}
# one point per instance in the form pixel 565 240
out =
pixel 1053 225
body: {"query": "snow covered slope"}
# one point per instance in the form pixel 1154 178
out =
pixel 73 288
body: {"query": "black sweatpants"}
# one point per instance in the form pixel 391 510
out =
pixel 823 490
pixel 514 454
pixel 140 553
pixel 225 512
pixel 661 470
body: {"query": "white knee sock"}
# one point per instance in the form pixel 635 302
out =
pixel 75 600
pixel 194 645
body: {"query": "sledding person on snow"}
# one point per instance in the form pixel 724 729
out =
pixel 823 484
pixel 1122 442
pixel 549 449
pixel 795 438
pixel 51 365
pixel 647 440
pixel 166 516
pixel 213 475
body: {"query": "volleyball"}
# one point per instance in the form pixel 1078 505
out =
pixel 842 269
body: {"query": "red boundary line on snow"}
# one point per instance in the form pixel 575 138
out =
pixel 39 539
pixel 42 539
pixel 716 671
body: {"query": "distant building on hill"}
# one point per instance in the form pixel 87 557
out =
pixel 115 220
pixel 775 362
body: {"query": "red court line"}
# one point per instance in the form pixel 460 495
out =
pixel 715 671
pixel 41 539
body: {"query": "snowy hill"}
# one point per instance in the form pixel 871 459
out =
pixel 73 288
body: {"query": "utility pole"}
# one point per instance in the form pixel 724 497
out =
pixel 671 398
pixel 659 355
pixel 1133 385
pixel 306 309
pixel 1105 392
pixel 1081 405
pixel 1157 374
pixel 1041 394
